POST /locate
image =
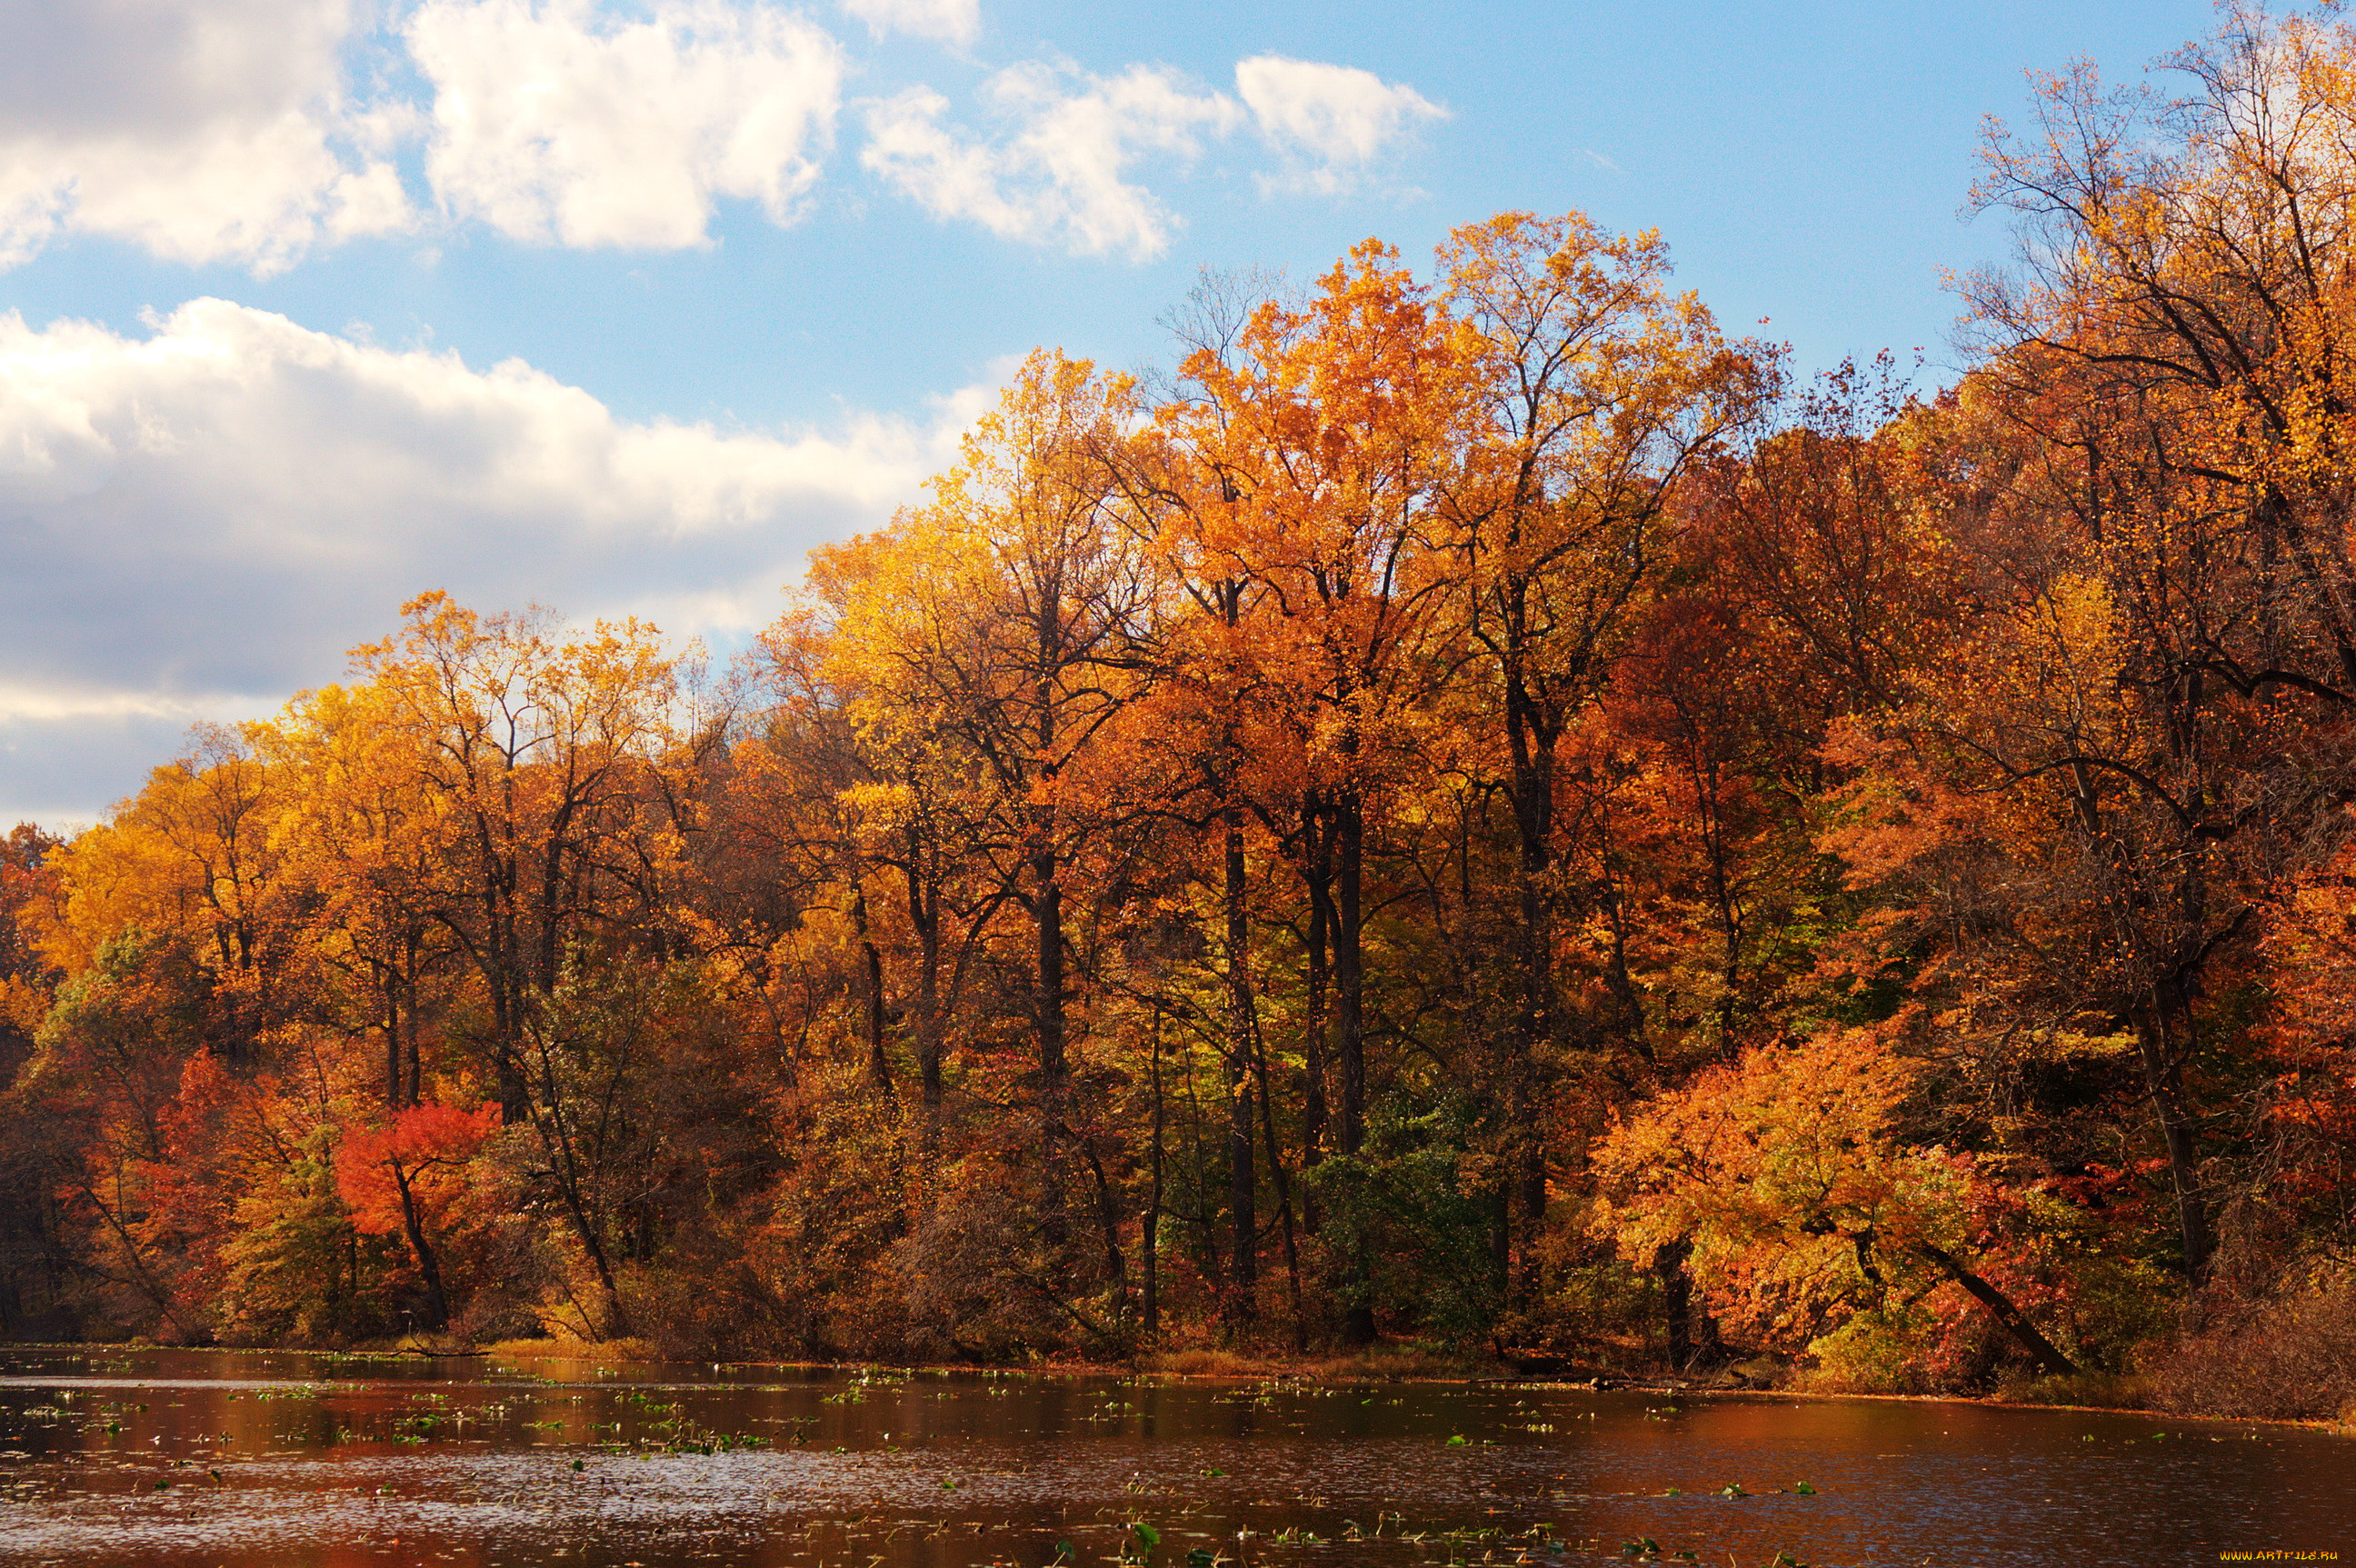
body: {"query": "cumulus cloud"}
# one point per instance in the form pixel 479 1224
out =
pixel 213 130
pixel 1059 175
pixel 202 519
pixel 200 130
pixel 1330 123
pixel 949 21
pixel 550 123
pixel 231 130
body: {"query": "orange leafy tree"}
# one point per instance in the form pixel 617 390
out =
pixel 1787 1175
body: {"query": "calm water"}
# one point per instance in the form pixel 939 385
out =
pixel 183 1458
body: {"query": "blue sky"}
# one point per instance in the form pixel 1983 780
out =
pixel 319 302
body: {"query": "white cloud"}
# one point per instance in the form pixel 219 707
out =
pixel 211 130
pixel 230 130
pixel 552 124
pixel 1059 178
pixel 200 130
pixel 950 21
pixel 1329 121
pixel 202 519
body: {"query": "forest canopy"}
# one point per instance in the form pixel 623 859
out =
pixel 1475 809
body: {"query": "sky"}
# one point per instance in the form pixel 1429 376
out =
pixel 307 306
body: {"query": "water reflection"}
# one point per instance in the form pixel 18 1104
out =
pixel 185 1459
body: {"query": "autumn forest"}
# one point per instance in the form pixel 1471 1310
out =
pixel 1478 811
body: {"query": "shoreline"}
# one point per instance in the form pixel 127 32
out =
pixel 1412 1367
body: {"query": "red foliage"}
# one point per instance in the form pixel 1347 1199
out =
pixel 422 1151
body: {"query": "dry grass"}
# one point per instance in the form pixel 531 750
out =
pixel 566 1348
pixel 2090 1390
pixel 1376 1363
pixel 2293 1358
pixel 417 1344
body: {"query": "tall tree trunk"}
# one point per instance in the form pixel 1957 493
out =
pixel 1048 903
pixel 1150 1238
pixel 1283 1197
pixel 564 1160
pixel 1676 1300
pixel 1350 1001
pixel 1531 734
pixel 502 966
pixel 1047 909
pixel 409 1019
pixel 392 1018
pixel 871 972
pixel 2163 1074
pixel 437 1303
pixel 925 914
pixel 1318 872
pixel 1244 1273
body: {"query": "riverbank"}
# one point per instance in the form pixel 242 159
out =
pixel 1407 1363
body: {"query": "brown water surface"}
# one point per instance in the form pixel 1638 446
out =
pixel 190 1459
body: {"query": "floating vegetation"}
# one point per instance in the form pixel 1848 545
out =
pixel 671 1461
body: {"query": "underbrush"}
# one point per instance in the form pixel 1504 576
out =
pixel 2093 1391
pixel 1376 1363
pixel 2289 1358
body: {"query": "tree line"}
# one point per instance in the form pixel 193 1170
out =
pixel 1472 810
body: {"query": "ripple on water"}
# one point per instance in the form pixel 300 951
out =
pixel 275 1462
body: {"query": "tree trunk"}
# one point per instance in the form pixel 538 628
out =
pixel 2164 1079
pixel 2049 1360
pixel 1047 903
pixel 393 1017
pixel 1244 1273
pixel 1149 1240
pixel 437 1303
pixel 1350 1000
pixel 879 1063
pixel 925 914
pixel 1283 1200
pixel 1530 735
pixel 409 1022
pixel 564 1164
pixel 1677 1299
pixel 1318 872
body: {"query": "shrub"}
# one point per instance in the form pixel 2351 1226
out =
pixel 2290 1358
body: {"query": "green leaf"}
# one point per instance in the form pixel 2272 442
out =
pixel 1147 1533
pixel 1456 1442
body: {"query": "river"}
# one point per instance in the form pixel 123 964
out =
pixel 237 1459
